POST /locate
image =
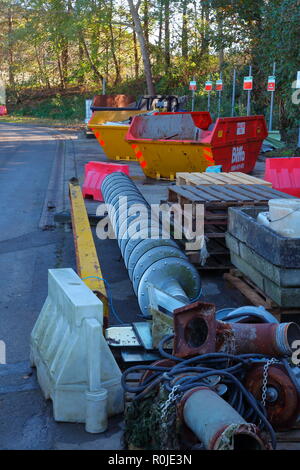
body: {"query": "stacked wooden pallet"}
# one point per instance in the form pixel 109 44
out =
pixel 217 195
pixel 233 178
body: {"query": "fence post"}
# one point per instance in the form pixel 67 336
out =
pixel 249 95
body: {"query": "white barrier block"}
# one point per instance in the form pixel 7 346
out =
pixel 75 367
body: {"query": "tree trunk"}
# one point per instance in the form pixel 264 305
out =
pixel 80 60
pixel 97 75
pixel 143 46
pixel 61 76
pixel 113 51
pixel 64 61
pixel 184 34
pixel 220 37
pixel 146 22
pixel 205 28
pixel 43 73
pixel 11 76
pixel 167 36
pixel 136 56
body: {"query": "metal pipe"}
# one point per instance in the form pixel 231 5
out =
pixel 216 424
pixel 249 95
pixel 272 102
pixel 155 261
pixel 269 339
pixel 233 93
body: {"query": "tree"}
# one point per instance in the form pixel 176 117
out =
pixel 134 10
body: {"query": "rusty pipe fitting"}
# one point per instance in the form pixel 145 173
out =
pixel 269 339
pixel 198 332
pixel 216 424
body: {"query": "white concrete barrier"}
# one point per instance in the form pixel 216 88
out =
pixel 75 367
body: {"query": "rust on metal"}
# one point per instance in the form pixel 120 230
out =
pixel 223 437
pixel 195 329
pixel 283 407
pixel 269 339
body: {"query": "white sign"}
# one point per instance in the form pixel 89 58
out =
pixel 88 111
pixel 241 128
pixel 238 154
pixel 298 80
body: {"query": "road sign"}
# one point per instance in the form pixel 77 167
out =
pixel 271 83
pixel 193 85
pixel 208 86
pixel 219 85
pixel 248 83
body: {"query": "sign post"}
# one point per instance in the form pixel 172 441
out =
pixel 271 88
pixel 233 93
pixel 193 88
pixel 219 88
pixel 248 86
pixel 208 88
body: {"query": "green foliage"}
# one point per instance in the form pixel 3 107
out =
pixel 52 44
pixel 58 107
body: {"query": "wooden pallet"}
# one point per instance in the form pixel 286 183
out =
pixel 133 380
pixel 233 178
pixel 258 298
pixel 219 256
pixel 216 200
pixel 224 196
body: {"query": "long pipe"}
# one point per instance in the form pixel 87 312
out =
pixel 158 261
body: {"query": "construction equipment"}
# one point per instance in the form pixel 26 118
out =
pixel 112 117
pixel 168 143
pixel 151 256
pixel 230 399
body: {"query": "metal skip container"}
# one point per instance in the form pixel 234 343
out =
pixel 168 143
pixel 110 123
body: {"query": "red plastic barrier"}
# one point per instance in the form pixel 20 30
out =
pixel 284 174
pixel 3 110
pixel 94 174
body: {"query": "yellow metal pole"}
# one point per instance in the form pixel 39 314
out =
pixel 88 266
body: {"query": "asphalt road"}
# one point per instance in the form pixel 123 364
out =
pixel 27 156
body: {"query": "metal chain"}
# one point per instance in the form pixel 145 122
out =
pixel 171 398
pixel 265 379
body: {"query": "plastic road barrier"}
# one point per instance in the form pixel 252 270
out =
pixel 95 173
pixel 3 110
pixel 75 367
pixel 284 174
pixel 168 143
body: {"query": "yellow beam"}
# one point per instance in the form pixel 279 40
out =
pixel 88 266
